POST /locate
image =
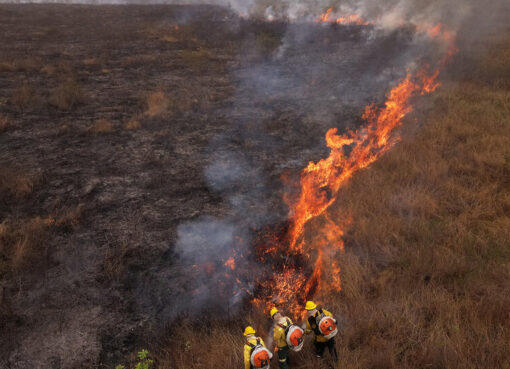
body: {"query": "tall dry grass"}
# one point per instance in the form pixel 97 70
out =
pixel 67 95
pixel 426 269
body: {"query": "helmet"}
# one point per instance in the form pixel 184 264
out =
pixel 310 305
pixel 273 312
pixel 249 331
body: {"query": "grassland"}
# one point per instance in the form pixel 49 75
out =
pixel 426 269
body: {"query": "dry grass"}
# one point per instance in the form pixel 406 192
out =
pixel 101 126
pixel 4 123
pixel 67 95
pixel 22 243
pixel 195 58
pixel 427 262
pixel 157 104
pixel 132 124
pixel 14 182
pixel 24 97
pixel 7 67
pixel 114 261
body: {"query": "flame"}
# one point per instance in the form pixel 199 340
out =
pixel 347 19
pixel 300 261
pixel 443 34
pixel 231 263
pixel 310 266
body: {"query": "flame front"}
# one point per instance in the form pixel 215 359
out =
pixel 301 261
pixel 344 19
pixel 295 281
pixel 305 260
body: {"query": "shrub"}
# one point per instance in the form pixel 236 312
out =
pixel 144 362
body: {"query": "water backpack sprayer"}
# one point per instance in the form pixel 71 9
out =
pixel 259 356
pixel 294 335
pixel 326 325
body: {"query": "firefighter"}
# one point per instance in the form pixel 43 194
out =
pixel 323 325
pixel 280 338
pixel 256 355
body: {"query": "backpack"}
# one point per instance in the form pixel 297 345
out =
pixel 294 335
pixel 259 355
pixel 324 325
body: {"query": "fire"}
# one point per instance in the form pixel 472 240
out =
pixel 231 263
pixel 347 19
pixel 310 259
pixel 300 261
pixel 439 32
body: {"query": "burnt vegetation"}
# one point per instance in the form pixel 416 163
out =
pixel 106 119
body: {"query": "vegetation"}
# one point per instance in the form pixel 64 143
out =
pixel 144 362
pixel 67 95
pixel 426 267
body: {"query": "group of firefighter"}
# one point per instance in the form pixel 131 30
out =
pixel 289 336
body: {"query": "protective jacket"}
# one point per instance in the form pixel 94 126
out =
pixel 279 331
pixel 311 325
pixel 247 350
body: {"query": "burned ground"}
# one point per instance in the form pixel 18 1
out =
pixel 114 125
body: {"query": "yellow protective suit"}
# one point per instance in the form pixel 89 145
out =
pixel 310 328
pixel 247 350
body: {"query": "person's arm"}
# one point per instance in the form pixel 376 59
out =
pixel 326 312
pixel 308 329
pixel 246 357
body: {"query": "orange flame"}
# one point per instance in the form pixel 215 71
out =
pixel 347 19
pixel 320 184
pixel 231 263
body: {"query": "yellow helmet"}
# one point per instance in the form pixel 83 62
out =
pixel 273 312
pixel 249 331
pixel 310 305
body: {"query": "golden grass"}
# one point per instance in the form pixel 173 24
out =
pixel 157 104
pixel 132 124
pixel 101 126
pixel 426 268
